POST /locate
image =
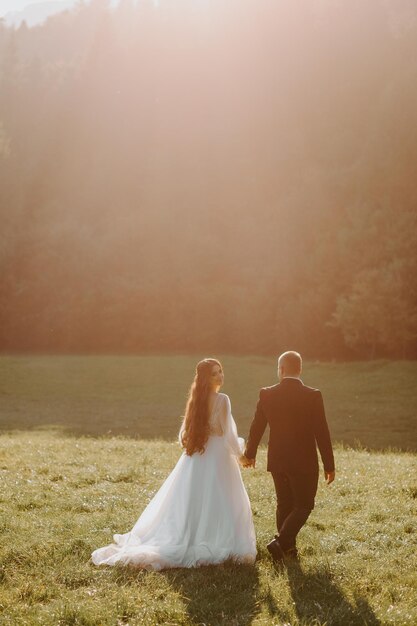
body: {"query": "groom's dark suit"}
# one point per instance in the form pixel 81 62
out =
pixel 297 422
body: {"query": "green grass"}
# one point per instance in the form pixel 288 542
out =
pixel 373 404
pixel 62 496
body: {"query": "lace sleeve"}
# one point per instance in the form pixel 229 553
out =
pixel 235 443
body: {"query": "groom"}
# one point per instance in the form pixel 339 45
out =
pixel 297 422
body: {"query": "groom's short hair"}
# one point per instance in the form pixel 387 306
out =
pixel 291 361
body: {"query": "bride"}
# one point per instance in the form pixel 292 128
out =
pixel 201 515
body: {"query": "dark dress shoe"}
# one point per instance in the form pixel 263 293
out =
pixel 291 554
pixel 275 550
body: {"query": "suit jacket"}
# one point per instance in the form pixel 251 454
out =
pixel 297 422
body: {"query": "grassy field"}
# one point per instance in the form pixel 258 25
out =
pixel 67 483
pixel 372 404
pixel 62 496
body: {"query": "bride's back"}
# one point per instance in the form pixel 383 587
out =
pixel 218 414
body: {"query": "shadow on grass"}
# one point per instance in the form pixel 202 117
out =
pixel 217 595
pixel 318 599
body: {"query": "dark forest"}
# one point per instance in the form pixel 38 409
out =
pixel 211 176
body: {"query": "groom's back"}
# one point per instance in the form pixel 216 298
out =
pixel 292 411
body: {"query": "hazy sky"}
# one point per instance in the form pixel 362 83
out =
pixel 6 6
pixel 18 5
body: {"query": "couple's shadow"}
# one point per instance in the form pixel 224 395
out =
pixel 231 594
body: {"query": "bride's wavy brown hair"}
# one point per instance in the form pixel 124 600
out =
pixel 195 427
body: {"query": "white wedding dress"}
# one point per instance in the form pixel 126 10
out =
pixel 201 515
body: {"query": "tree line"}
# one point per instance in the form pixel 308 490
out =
pixel 212 177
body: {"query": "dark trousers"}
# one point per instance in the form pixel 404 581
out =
pixel 295 501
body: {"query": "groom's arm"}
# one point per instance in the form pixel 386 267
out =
pixel 322 434
pixel 257 429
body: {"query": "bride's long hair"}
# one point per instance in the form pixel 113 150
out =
pixel 195 426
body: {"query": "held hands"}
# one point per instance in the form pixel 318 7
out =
pixel 245 462
pixel 329 476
